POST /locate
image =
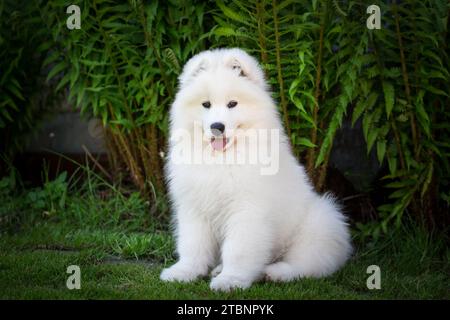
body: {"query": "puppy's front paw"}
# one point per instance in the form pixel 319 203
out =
pixel 228 282
pixel 180 272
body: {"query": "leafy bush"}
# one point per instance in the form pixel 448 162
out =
pixel 326 64
pixel 17 202
pixel 51 198
pixel 90 203
pixel 322 62
pixel 25 98
pixel 122 66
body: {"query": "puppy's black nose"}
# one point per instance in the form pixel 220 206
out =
pixel 217 128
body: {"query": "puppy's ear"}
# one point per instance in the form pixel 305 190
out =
pixel 245 66
pixel 194 67
pixel 234 64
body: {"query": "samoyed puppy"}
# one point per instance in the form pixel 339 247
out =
pixel 241 214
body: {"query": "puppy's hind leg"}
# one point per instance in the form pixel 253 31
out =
pixel 320 248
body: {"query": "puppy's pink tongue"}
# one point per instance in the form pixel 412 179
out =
pixel 219 143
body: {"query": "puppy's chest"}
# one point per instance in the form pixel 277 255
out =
pixel 211 188
pixel 217 179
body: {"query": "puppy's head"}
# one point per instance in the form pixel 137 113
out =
pixel 234 59
pixel 223 90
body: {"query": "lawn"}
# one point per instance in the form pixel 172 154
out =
pixel 121 248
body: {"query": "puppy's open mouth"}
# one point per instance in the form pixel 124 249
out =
pixel 220 143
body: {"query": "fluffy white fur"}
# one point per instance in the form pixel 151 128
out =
pixel 230 218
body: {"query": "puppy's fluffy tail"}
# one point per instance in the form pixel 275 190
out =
pixel 327 231
pixel 321 247
pixel 323 244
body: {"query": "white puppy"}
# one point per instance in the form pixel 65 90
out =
pixel 233 216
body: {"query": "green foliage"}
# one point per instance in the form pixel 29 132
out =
pixel 48 200
pixel 122 66
pixel 8 216
pixel 409 72
pixel 51 198
pixel 25 98
pixel 83 200
pixel 321 61
pixel 324 64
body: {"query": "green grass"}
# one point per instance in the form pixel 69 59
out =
pixel 121 250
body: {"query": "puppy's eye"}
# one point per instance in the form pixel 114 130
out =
pixel 206 104
pixel 232 104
